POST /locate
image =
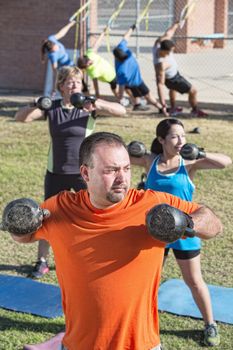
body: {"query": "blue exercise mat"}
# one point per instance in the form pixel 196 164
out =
pixel 25 295
pixel 175 297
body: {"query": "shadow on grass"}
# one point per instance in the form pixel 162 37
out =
pixel 195 334
pixel 44 325
pixel 22 269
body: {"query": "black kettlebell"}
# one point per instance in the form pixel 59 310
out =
pixel 142 184
pixel 78 100
pixel 44 103
pixel 22 216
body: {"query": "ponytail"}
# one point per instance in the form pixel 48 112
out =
pixel 156 147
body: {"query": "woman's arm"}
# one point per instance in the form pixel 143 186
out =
pixel 144 161
pixel 28 114
pixel 64 30
pixel 211 161
pixel 106 108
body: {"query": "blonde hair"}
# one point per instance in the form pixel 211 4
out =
pixel 67 72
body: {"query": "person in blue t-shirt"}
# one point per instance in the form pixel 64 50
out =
pixel 56 51
pixel 129 76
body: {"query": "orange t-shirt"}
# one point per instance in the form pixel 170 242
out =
pixel 108 268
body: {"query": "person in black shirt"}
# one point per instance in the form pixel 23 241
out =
pixel 68 126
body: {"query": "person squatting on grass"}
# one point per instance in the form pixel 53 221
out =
pixel 68 126
pixel 108 266
pixel 169 172
pixel 129 76
pixel 97 68
pixel 167 74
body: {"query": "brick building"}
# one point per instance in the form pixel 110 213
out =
pixel 24 24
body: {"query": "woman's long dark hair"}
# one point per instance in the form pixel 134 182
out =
pixel 46 46
pixel 162 131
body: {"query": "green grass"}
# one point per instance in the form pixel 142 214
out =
pixel 23 159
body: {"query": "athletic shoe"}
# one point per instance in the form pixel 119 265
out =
pixel 125 102
pixel 40 269
pixel 140 107
pixel 174 112
pixel 198 113
pixel 211 335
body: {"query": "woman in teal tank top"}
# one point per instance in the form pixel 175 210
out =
pixel 168 172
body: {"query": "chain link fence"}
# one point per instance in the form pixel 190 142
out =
pixel 208 68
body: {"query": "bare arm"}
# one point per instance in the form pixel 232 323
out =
pixel 121 91
pixel 211 161
pixel 29 238
pixel 128 34
pixel 169 32
pixel 96 87
pixel 54 68
pixel 206 224
pixel 160 80
pixel 64 30
pixel 28 114
pixel 105 108
pixel 144 161
pixel 97 43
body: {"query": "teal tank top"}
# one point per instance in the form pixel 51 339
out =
pixel 178 184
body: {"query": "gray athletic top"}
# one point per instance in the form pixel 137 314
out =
pixel 172 70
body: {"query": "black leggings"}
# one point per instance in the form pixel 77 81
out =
pixel 183 254
pixel 55 183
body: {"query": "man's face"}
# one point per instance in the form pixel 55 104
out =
pixel 108 179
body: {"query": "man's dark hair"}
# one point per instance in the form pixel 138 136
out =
pixel 119 54
pixel 82 62
pixel 90 142
pixel 166 45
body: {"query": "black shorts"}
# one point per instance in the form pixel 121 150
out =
pixel 183 254
pixel 55 183
pixel 113 84
pixel 140 90
pixel 179 84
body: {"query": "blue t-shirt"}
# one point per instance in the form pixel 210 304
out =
pixel 180 185
pixel 128 71
pixel 60 56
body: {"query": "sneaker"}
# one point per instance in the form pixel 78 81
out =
pixel 211 335
pixel 140 108
pixel 198 113
pixel 40 269
pixel 173 112
pixel 125 102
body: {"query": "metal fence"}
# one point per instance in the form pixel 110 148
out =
pixel 209 69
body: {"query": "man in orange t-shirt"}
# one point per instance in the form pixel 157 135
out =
pixel 108 266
